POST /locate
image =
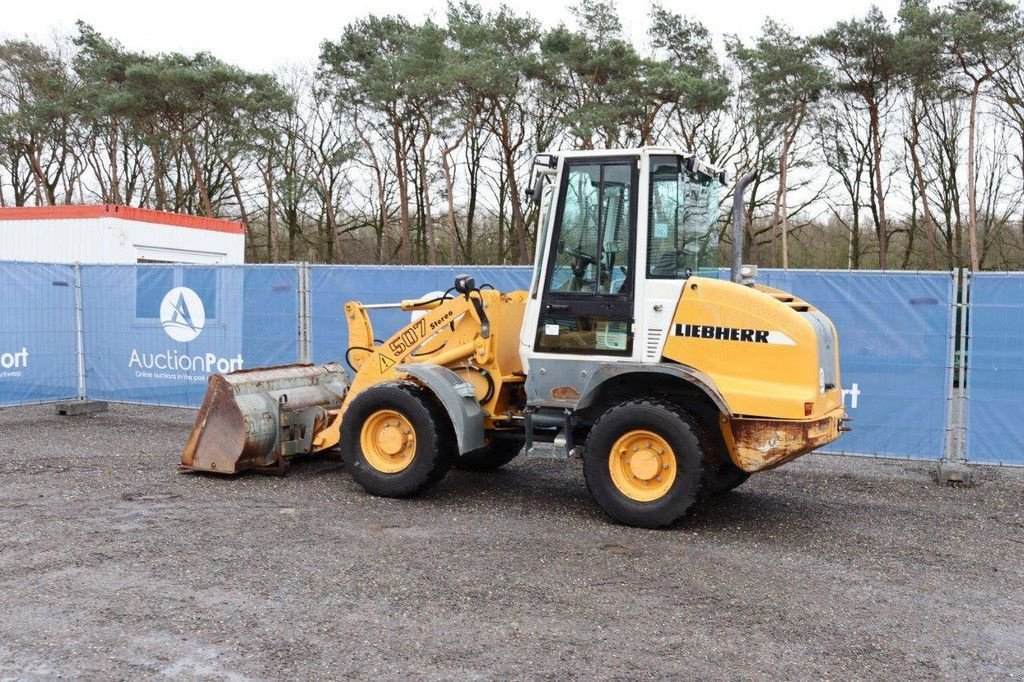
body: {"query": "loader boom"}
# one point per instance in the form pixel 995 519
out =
pixel 450 334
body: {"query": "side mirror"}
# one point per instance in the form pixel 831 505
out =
pixel 536 193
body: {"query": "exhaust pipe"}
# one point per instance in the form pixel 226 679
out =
pixel 737 227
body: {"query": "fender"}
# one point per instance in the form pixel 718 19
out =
pixel 609 370
pixel 458 398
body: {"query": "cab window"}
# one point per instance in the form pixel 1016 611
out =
pixel 682 234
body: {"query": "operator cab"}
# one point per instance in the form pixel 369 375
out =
pixel 596 263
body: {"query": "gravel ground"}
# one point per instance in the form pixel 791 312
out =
pixel 114 565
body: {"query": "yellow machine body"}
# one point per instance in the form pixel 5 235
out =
pixel 779 407
pixel 450 334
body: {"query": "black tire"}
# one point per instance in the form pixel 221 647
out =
pixel 434 449
pixel 682 433
pixel 492 456
pixel 726 477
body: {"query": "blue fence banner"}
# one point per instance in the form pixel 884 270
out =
pixel 38 352
pixel 895 345
pixel 995 369
pixel 155 333
pixel 331 286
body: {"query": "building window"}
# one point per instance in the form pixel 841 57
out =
pixel 152 282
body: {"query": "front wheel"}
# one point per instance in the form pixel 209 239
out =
pixel 644 462
pixel 397 439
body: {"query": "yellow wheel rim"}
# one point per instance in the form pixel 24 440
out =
pixel 642 465
pixel 388 441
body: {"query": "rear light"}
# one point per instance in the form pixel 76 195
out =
pixel 808 409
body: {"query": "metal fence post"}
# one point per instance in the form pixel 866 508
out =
pixel 952 467
pixel 82 405
pixel 79 331
pixel 305 342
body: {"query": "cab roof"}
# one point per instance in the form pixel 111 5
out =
pixel 649 150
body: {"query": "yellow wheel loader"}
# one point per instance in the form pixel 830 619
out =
pixel 671 385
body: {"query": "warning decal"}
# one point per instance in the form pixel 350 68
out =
pixel 386 363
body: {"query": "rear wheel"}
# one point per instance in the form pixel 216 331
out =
pixel 398 441
pixel 496 454
pixel 644 462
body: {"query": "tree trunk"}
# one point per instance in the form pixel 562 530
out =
pixel 753 250
pixel 502 190
pixel 425 189
pixel 883 229
pixel 43 191
pixel 780 198
pixel 473 155
pixel 783 172
pixel 236 188
pixel 115 175
pixel 913 143
pixel 449 189
pixel 403 195
pixel 378 177
pixel 197 175
pixel 449 184
pixel 1021 165
pixel 853 262
pixel 518 222
pixel 334 247
pixel 158 177
pixel 381 200
pixel 972 200
pixel 272 236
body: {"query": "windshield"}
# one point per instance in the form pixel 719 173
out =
pixel 683 233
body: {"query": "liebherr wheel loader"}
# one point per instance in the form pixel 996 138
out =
pixel 671 385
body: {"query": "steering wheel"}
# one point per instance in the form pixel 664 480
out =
pixel 580 261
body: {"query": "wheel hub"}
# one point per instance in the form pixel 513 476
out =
pixel 388 441
pixel 642 465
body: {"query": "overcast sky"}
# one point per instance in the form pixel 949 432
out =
pixel 263 36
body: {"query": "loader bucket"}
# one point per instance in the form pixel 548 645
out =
pixel 259 418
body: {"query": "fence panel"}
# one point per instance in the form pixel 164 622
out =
pixel 154 333
pixel 995 369
pixel 895 336
pixel 38 356
pixel 332 285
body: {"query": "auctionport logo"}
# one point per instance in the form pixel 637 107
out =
pixel 12 363
pixel 182 314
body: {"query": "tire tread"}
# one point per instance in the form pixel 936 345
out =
pixel 440 438
pixel 656 518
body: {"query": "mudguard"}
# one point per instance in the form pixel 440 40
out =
pixel 458 397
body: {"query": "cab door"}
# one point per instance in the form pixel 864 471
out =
pixel 586 307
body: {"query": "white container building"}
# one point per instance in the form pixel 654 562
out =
pixel 117 234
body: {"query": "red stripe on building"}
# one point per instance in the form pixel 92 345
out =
pixel 142 215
